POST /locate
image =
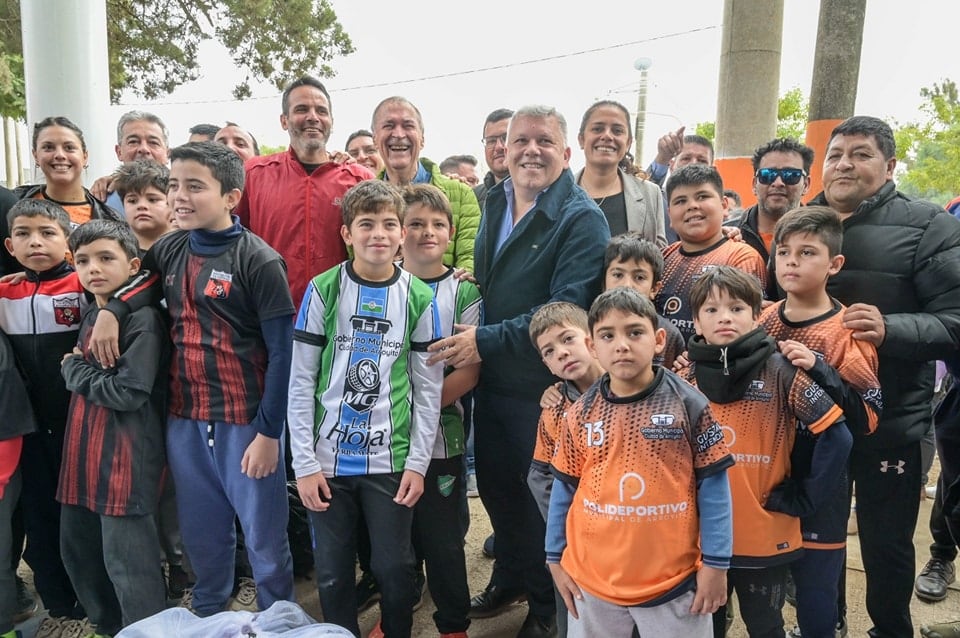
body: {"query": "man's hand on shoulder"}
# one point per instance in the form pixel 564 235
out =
pixel 866 322
pixel 102 187
pixel 457 350
pixel 105 339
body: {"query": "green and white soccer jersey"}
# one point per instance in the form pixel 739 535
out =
pixel 455 302
pixel 359 359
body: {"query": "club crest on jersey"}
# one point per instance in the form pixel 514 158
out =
pixel 66 311
pixel 363 385
pixel 662 419
pixel 218 286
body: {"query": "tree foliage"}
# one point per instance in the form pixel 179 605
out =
pixel 793 109
pixel 929 150
pixel 153 44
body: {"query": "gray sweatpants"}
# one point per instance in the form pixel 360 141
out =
pixel 601 618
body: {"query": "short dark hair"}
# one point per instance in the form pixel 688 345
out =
pixel 736 283
pixel 207 130
pixel 623 299
pixel 497 115
pixel 33 207
pixel 303 80
pixel 361 133
pixel 371 196
pixel 95 229
pixel 699 140
pixel 430 196
pixel 225 165
pixel 556 313
pixel 694 175
pixel 820 221
pixel 734 195
pixel 57 120
pixel 139 175
pixel 633 246
pixel 870 126
pixel 784 145
pixel 452 163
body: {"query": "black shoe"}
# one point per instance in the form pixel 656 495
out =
pixel 178 581
pixel 934 579
pixel 488 547
pixel 534 627
pixel 26 603
pixel 368 592
pixel 493 601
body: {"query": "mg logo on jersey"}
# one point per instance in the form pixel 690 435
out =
pixel 662 419
pixel 363 385
pixel 632 486
pixel 66 310
pixel 886 465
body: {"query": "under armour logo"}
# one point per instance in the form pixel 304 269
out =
pixel 762 590
pixel 885 465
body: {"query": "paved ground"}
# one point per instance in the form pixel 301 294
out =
pixel 506 625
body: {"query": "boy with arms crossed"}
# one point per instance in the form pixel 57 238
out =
pixel 640 463
pixel 808 326
pixel 113 449
pixel 364 409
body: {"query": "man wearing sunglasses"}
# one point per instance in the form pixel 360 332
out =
pixel 781 176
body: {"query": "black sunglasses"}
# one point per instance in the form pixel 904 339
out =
pixel 790 176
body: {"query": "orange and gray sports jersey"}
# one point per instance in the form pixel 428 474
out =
pixel 681 269
pixel 856 361
pixel 847 369
pixel 633 531
pixel 760 430
pixel 549 426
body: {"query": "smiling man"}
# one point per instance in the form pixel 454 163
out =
pixel 398 134
pixel 292 199
pixel 781 178
pixel 541 239
pixel 901 286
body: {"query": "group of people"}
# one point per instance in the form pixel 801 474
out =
pixel 723 388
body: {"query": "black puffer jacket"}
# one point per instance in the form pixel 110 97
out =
pixel 747 223
pixel 903 256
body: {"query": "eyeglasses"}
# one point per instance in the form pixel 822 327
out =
pixel 492 140
pixel 790 176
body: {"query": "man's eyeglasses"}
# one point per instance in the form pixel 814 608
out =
pixel 790 176
pixel 491 141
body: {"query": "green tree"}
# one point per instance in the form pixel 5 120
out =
pixel 153 44
pixel 792 110
pixel 928 151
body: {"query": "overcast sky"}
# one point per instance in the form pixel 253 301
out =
pixel 906 46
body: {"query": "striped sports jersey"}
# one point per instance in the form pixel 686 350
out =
pixel 633 530
pixel 454 301
pixel 856 362
pixel 362 398
pixel 681 269
pixel 216 306
pixel 760 430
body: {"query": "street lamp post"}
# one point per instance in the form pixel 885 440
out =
pixel 641 64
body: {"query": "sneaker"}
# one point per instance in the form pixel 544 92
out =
pixel 934 578
pixel 26 603
pixel 368 592
pixel 178 581
pixel 839 632
pixel 472 492
pixel 246 597
pixel 941 630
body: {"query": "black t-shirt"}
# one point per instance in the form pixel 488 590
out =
pixel 614 208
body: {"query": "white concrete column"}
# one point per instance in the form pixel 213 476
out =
pixel 67 72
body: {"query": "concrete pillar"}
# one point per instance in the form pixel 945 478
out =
pixel 749 87
pixel 66 71
pixel 836 71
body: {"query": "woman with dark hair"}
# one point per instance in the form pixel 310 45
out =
pixel 628 202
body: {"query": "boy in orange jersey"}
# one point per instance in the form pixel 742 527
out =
pixel 808 326
pixel 762 401
pixel 640 464
pixel 560 334
pixel 697 210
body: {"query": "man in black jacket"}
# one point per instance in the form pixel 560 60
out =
pixel 781 177
pixel 901 283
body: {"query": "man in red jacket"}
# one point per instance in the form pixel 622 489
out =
pixel 292 199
